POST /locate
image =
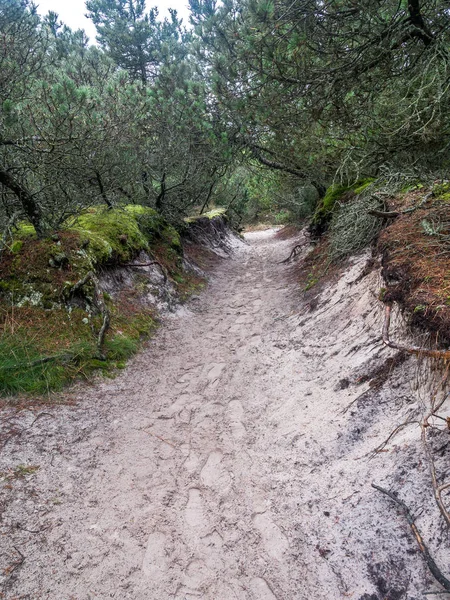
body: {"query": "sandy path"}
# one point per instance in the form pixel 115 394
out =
pixel 209 469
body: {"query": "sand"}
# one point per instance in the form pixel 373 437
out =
pixel 232 459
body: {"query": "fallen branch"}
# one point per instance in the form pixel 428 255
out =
pixel 423 549
pixel 382 446
pixel 443 354
pixel 98 299
pixel 393 214
pixel 66 357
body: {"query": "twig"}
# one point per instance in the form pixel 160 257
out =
pixel 159 438
pixel 423 548
pixel 381 447
pixel 40 361
pixel 443 354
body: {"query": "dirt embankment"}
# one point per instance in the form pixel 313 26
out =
pixel 233 459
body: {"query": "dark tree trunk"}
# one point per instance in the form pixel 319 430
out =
pixel 102 190
pixel 162 193
pixel 29 205
pixel 208 197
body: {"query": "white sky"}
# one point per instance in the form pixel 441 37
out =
pixel 71 12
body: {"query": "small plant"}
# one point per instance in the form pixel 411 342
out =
pixel 311 281
pixel 19 472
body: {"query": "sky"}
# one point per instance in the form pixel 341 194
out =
pixel 71 12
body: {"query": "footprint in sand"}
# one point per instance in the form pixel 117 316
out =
pixel 194 512
pixel 260 590
pixel 196 579
pixel 214 373
pixel 213 474
pixel 235 417
pixel 275 542
pixel 155 564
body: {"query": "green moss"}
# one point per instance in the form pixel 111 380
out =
pixel 362 184
pixel 155 227
pixel 25 231
pixel 171 236
pixel 312 280
pixel 35 276
pixel 328 202
pixel 109 235
pixel 334 193
pixel 16 246
pixel 411 187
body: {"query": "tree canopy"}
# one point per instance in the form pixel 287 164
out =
pixel 260 98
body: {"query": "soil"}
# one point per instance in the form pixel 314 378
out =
pixel 232 460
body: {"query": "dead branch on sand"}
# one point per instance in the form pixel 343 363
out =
pixel 437 573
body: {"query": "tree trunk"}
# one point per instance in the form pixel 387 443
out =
pixel 29 205
pixel 162 193
pixel 102 190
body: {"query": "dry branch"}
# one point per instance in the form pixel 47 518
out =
pixel 393 214
pixel 418 350
pixel 383 214
pixel 423 548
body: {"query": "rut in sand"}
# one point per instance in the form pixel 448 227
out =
pixel 218 465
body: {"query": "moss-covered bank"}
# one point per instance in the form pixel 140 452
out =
pixel 48 333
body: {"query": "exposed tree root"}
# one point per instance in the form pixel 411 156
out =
pixel 437 489
pixel 294 252
pixel 382 446
pixel 418 350
pixel 99 301
pixel 437 573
